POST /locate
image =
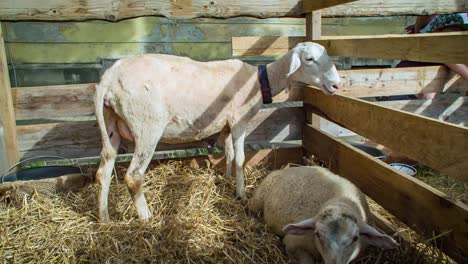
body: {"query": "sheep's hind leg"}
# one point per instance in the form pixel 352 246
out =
pixel 108 156
pixel 145 145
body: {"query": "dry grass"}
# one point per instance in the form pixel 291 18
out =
pixel 196 220
pixel 413 248
pixel 454 188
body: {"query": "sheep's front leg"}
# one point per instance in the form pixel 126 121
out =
pixel 301 247
pixel 238 136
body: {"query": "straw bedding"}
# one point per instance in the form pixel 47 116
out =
pixel 196 219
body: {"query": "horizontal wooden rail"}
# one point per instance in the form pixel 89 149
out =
pixel 429 47
pixel 437 144
pixel 390 8
pixel 114 10
pixel 53 101
pixel 386 8
pixel 313 5
pixel 264 46
pixel 451 109
pixel 399 81
pixel 415 203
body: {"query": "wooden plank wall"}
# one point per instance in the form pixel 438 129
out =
pixel 81 139
pixel 273 124
pixel 398 81
pixel 200 39
pixel 432 47
pixel 117 10
pixel 385 8
pixel 435 212
pixel 277 123
pixel 436 144
pixel 418 205
pixel 314 5
pixel 203 39
pixel 452 109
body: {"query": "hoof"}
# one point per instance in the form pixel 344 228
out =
pixel 242 197
pixel 104 219
pixel 145 216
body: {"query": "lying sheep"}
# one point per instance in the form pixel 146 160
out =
pixel 162 98
pixel 317 213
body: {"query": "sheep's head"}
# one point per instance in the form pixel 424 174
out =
pixel 338 236
pixel 310 64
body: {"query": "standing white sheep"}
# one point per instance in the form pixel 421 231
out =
pixel 162 98
pixel 317 213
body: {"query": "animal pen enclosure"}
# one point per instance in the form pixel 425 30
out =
pixel 439 140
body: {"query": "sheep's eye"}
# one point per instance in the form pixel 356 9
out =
pixel 355 238
pixel 310 59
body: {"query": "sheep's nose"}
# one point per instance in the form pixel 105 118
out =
pixel 337 86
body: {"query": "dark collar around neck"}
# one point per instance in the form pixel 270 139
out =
pixel 264 84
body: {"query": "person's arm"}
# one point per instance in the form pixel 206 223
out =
pixel 460 69
pixel 421 21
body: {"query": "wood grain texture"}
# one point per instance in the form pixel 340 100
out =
pixel 114 10
pixel 204 39
pixel 394 7
pixel 429 47
pixel 53 101
pixel 157 29
pixel 77 100
pixel 423 208
pixel 272 158
pixel 4 165
pixel 437 144
pixel 314 25
pixel 7 114
pixel 81 139
pixel 451 109
pixel 398 81
pixel 57 101
pixel 313 5
pixel 264 46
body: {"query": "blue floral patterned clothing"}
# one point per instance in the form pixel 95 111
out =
pixel 446 20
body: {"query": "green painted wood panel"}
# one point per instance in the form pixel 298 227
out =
pixel 93 52
pixel 200 39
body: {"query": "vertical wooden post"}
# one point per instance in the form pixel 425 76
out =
pixel 7 115
pixel 314 32
pixel 314 25
pixel 3 154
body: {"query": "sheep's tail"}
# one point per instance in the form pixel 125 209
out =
pixel 108 150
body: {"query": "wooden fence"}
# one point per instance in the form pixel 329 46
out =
pixel 432 142
pixel 435 136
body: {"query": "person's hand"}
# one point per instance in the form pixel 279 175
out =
pixel 410 29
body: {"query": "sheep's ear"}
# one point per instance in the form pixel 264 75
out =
pixel 301 227
pixel 373 237
pixel 295 62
